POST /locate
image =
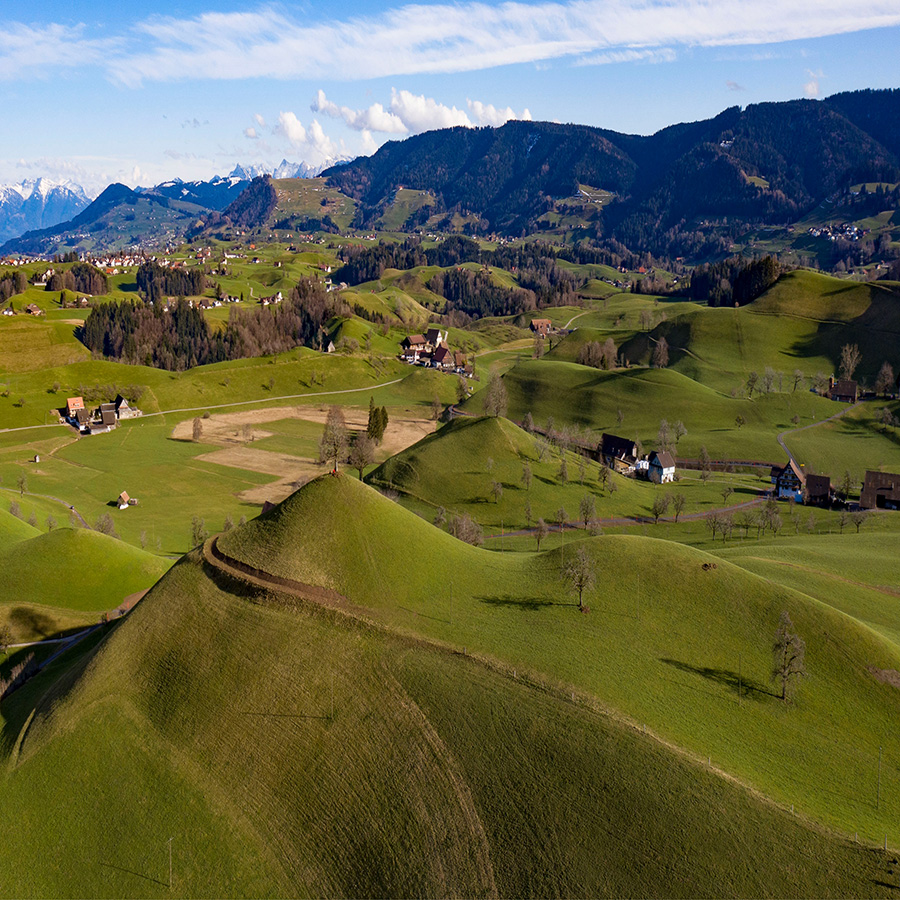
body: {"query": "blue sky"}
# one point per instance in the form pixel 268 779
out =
pixel 140 93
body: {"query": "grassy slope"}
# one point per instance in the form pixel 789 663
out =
pixel 855 573
pixel 107 570
pixel 436 775
pixel 479 452
pixel 645 650
pixel 13 530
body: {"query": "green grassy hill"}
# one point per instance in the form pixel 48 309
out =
pixel 51 578
pixel 480 452
pixel 13 530
pixel 290 749
pixel 646 649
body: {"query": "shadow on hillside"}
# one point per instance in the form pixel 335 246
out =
pixel 149 878
pixel 30 621
pixel 531 603
pixel 423 615
pixel 746 686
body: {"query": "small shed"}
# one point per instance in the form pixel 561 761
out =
pixel 123 500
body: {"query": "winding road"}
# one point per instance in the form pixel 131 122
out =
pixel 837 415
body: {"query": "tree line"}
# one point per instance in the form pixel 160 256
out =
pixel 81 277
pixel 178 337
pixel 156 282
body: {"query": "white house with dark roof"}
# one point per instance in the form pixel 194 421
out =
pixel 661 467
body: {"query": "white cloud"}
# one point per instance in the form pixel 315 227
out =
pixel 29 51
pixel 734 86
pixel 291 127
pixel 420 113
pixel 422 38
pixel 250 133
pixel 662 55
pixel 259 120
pixel 410 113
pixel 375 118
pixel 488 114
pixel 811 88
pixel 313 145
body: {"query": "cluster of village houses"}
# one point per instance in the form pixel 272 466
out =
pixel 99 420
pixel 432 350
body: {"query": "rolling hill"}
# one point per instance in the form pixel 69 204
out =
pixel 400 739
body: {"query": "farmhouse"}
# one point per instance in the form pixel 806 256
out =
pixel 541 326
pixel 790 481
pixel 818 490
pixel 843 391
pixel 619 454
pixel 881 490
pixel 73 404
pixel 661 467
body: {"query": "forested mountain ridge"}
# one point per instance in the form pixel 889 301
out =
pixel 766 164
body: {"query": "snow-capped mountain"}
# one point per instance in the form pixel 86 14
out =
pixel 41 203
pixel 285 169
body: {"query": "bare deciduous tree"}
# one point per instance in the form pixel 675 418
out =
pixel 850 359
pixel 788 652
pixel 334 437
pixel 579 574
pixel 362 453
pixel 541 530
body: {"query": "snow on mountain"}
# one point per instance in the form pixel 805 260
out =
pixel 285 169
pixel 40 203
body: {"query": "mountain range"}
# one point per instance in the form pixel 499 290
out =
pixel 685 191
pixel 40 203
pixel 691 190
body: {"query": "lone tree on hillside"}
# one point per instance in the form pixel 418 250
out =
pixel 850 359
pixel 334 437
pixel 884 383
pixel 579 574
pixel 660 357
pixel 362 453
pixel 541 531
pixel 788 652
pixel 495 399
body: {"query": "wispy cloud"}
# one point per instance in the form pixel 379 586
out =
pixel 661 55
pixel 28 51
pixel 734 86
pixel 418 38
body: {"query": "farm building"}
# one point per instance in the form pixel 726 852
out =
pixel 881 490
pixel 790 481
pixel 818 490
pixel 843 391
pixel 661 467
pixel 619 454
pixel 541 326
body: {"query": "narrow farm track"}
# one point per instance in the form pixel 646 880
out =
pixel 190 409
pixel 837 415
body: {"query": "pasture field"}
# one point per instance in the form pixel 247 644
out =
pixel 680 648
pixel 381 737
